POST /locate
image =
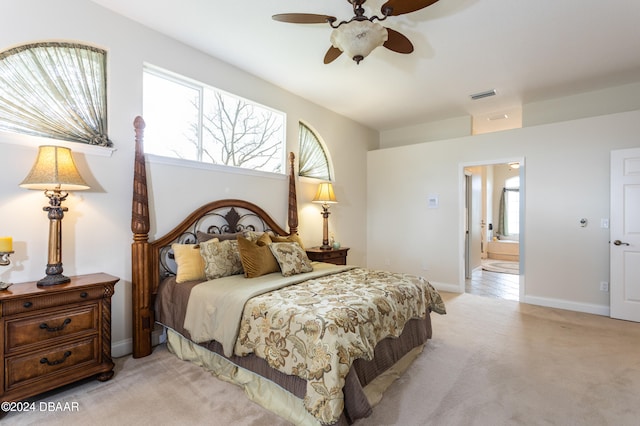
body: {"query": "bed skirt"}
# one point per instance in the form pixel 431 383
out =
pixel 277 399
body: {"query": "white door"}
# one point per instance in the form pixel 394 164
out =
pixel 625 234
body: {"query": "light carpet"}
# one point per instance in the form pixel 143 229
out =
pixel 491 362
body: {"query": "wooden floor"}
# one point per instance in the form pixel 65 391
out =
pixel 494 284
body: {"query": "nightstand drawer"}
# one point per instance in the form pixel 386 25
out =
pixel 329 254
pixel 22 369
pixel 54 335
pixel 335 256
pixel 41 329
pixel 30 304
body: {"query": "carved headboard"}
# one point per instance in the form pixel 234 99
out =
pixel 151 261
pixel 222 217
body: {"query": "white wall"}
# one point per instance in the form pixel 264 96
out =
pixel 96 229
pixel 426 132
pixel 566 174
pixel 533 112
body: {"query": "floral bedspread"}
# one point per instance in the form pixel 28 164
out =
pixel 316 329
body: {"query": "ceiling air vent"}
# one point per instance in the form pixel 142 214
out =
pixel 481 95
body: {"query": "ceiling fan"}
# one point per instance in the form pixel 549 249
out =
pixel 358 36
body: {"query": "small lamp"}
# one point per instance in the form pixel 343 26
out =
pixel 325 196
pixel 54 172
pixel 6 249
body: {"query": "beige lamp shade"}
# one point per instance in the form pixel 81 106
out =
pixel 358 38
pixel 54 169
pixel 325 194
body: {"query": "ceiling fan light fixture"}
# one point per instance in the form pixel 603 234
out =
pixel 358 38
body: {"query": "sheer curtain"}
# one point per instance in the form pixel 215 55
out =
pixel 55 90
pixel 313 160
pixel 503 213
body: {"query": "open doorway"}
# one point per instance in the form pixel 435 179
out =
pixel 493 229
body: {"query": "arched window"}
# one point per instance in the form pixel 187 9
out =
pixel 314 157
pixel 55 90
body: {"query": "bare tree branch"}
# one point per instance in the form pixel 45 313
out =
pixel 236 133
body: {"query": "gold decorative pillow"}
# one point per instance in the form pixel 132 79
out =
pixel 190 265
pixel 293 238
pixel 291 258
pixel 264 240
pixel 221 258
pixel 256 260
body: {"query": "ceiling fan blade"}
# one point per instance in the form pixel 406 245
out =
pixel 332 54
pixel 398 42
pixel 400 7
pixel 303 18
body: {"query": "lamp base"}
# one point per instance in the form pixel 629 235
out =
pixel 326 247
pixel 55 279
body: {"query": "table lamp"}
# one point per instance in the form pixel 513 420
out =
pixel 325 196
pixel 54 172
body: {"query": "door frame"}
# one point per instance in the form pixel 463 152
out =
pixel 467 221
pixel 462 217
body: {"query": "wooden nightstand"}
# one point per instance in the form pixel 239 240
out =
pixel 55 335
pixel 335 256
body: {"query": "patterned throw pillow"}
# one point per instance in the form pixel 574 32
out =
pixel 291 258
pixel 294 238
pixel 190 265
pixel 221 258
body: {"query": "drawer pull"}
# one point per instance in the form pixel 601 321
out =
pixel 61 327
pixel 66 355
pixel 27 304
pixel 84 294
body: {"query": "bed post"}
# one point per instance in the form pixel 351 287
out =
pixel 293 202
pixel 141 275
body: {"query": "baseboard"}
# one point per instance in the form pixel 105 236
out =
pixel 568 305
pixel 588 308
pixel 122 348
pixel 125 347
pixel 450 288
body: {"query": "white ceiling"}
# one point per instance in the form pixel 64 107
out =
pixel 528 50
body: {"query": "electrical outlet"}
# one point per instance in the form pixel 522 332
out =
pixel 604 286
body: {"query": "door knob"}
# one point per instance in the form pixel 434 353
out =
pixel 620 243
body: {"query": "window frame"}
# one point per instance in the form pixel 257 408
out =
pixel 201 87
pixel 512 189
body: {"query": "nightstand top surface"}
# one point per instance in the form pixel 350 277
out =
pixel 321 250
pixel 79 281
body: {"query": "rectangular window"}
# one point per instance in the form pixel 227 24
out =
pixel 189 120
pixel 513 211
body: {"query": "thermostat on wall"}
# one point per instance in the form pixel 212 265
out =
pixel 433 201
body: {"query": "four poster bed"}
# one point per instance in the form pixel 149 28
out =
pixel 309 341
